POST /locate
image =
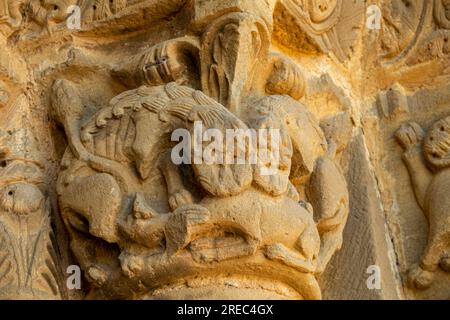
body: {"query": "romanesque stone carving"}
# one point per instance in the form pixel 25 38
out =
pixel 132 239
pixel 46 12
pixel 114 137
pixel 116 208
pixel 403 21
pixel 173 60
pixel 427 159
pixel 393 102
pixel 435 45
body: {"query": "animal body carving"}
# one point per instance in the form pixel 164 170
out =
pixel 430 175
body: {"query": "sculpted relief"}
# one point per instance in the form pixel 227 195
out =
pixel 210 149
pixel 427 158
pixel 413 32
pixel 227 218
pixel 329 26
pixel 28 261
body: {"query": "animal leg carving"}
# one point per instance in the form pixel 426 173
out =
pixel 98 199
pixel 410 136
pixel 328 192
pixel 178 195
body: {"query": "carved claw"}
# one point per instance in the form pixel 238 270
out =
pixel 419 278
pixel 159 68
pixel 131 266
pixel 194 215
pixel 409 135
pixel 280 253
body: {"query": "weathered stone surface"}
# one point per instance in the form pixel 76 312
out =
pixel 347 198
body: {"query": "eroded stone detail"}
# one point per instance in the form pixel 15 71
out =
pixel 102 195
pixel 327 25
pixel 29 264
pixel 442 13
pixel 10 12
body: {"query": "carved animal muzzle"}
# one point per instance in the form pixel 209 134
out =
pixel 437 144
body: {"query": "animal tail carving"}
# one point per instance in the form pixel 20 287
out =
pixel 67 109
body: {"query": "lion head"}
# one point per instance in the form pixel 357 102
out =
pixel 437 144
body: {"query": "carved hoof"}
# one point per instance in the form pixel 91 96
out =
pixel 419 278
pixel 179 198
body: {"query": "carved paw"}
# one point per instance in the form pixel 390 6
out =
pixel 66 102
pixel 132 265
pixel 193 215
pixel 419 278
pixel 183 224
pixel 180 198
pixel 409 135
pixel 97 275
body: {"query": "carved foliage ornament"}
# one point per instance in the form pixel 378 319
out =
pixel 29 265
